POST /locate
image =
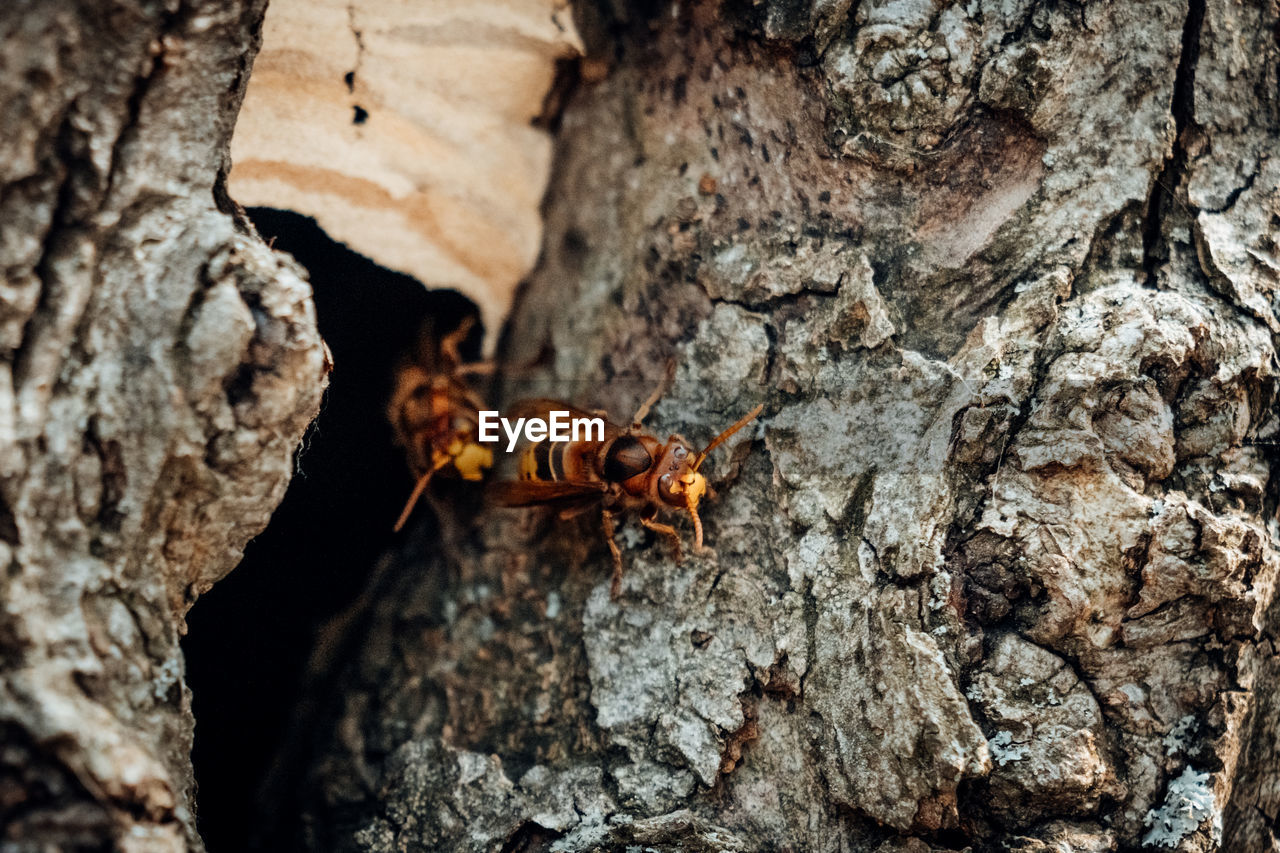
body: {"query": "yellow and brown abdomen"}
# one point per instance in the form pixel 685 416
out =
pixel 544 461
pixel 616 461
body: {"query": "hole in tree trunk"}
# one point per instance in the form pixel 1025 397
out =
pixel 251 635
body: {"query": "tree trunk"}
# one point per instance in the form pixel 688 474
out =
pixel 159 366
pixel 997 571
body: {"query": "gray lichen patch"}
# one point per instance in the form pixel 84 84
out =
pixel 1188 804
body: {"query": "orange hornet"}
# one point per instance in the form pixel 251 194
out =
pixel 434 415
pixel 627 471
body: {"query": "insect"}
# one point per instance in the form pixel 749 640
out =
pixel 434 416
pixel 629 470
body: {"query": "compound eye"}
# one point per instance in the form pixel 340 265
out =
pixel 680 453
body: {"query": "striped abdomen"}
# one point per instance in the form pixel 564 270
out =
pixel 544 461
pixel 579 461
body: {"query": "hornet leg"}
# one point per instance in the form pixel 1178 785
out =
pixel 607 518
pixel 417 493
pixel 643 411
pixel 666 530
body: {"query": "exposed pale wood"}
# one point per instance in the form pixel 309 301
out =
pixel 443 177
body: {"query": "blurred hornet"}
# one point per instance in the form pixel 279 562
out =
pixel 434 416
pixel 627 470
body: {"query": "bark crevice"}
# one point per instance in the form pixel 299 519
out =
pixel 1168 187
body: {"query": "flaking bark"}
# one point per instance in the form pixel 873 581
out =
pixel 998 569
pixel 158 365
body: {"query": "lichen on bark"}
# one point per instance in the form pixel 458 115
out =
pixel 159 366
pixel 995 569
pixel 998 565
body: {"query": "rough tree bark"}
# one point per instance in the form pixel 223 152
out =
pixel 159 364
pixel 998 569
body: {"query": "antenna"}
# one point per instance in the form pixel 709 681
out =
pixel 724 436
